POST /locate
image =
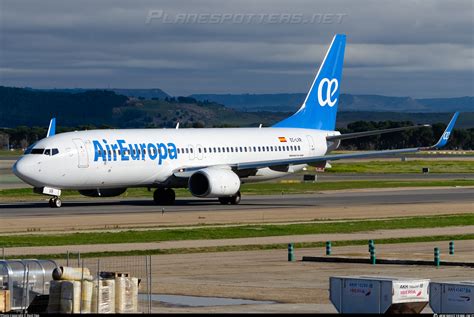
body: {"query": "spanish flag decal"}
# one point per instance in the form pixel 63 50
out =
pixel 282 139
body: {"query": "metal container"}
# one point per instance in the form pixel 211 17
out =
pixel 452 297
pixel 375 294
pixel 25 279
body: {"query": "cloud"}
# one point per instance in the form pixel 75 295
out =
pixel 394 48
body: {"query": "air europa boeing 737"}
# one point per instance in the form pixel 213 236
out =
pixel 209 162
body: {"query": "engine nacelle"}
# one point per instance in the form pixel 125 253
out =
pixel 214 182
pixel 109 192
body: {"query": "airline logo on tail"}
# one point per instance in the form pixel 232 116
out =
pixel 446 135
pixel 330 90
pixel 319 109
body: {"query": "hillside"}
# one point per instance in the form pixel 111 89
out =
pixel 98 108
pixel 291 102
pixel 20 106
pixel 137 93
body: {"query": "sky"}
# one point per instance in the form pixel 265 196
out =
pixel 420 49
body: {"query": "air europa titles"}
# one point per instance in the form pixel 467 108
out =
pixel 125 152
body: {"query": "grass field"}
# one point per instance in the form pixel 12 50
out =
pixel 244 231
pixel 253 247
pixel 11 153
pixel 25 194
pixel 392 167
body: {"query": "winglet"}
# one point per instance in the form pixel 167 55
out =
pixel 445 136
pixel 52 128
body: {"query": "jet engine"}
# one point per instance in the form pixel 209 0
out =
pixel 214 182
pixel 109 192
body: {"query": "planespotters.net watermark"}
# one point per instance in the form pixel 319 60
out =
pixel 160 16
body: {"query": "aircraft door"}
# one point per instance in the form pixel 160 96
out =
pixel 191 152
pixel 83 157
pixel 200 152
pixel 311 145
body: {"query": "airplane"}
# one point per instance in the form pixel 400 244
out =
pixel 211 163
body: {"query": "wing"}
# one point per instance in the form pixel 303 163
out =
pixel 186 172
pixel 368 133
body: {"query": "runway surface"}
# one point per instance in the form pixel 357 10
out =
pixel 355 198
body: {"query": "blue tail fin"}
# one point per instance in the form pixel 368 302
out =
pixel 320 106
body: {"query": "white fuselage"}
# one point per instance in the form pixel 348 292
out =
pixel 95 159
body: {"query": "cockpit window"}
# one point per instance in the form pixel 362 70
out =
pixel 36 151
pixel 28 149
pixel 48 152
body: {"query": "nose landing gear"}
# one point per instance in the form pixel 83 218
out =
pixel 55 202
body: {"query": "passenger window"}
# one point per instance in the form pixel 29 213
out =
pixel 255 149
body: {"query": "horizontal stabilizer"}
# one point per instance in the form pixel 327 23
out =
pixel 369 133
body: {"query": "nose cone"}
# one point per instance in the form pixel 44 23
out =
pixel 24 170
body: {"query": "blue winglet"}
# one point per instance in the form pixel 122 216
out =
pixel 445 136
pixel 52 128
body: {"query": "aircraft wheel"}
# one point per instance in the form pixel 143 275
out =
pixel 235 200
pixel 55 202
pixel 170 196
pixel 164 196
pixel 224 200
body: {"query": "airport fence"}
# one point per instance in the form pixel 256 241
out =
pixel 134 266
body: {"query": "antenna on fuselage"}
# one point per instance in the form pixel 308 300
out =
pixel 260 126
pixel 177 125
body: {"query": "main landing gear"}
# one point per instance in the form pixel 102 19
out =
pixel 55 202
pixel 164 196
pixel 233 200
